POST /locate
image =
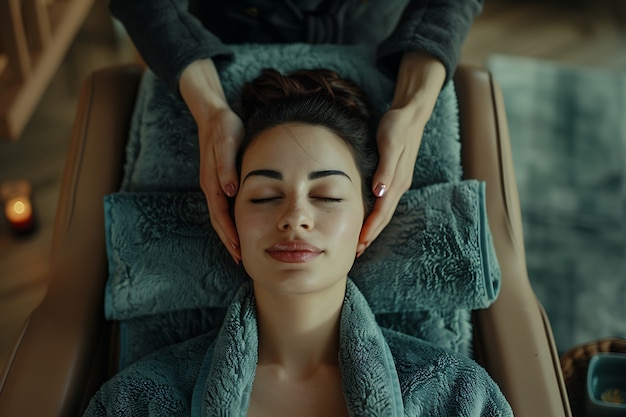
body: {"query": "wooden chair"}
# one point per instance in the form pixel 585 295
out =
pixel 34 37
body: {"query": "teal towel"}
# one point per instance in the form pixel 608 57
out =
pixel 436 253
pixel 162 151
pixel 385 373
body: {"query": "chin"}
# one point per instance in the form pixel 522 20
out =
pixel 299 282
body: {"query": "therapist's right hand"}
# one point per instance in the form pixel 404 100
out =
pixel 220 132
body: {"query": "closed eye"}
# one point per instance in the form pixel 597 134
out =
pixel 263 200
pixel 329 199
pixel 270 199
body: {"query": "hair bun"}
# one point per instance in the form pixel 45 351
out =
pixel 272 87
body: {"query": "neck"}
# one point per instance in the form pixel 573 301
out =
pixel 299 333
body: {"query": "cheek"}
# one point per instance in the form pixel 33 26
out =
pixel 244 222
pixel 347 227
pixel 253 227
pixel 247 226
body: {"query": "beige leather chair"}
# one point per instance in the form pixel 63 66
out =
pixel 66 347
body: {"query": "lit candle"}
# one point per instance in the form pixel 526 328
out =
pixel 19 213
pixel 18 207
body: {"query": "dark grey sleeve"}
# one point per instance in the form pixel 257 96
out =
pixel 167 36
pixel 437 27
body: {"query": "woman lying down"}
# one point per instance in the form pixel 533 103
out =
pixel 299 339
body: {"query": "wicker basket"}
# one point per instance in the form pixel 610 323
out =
pixel 574 364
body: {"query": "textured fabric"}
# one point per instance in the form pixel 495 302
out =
pixel 144 335
pixel 384 373
pixel 568 137
pixel 448 328
pixel 435 253
pixel 162 151
pixel 169 37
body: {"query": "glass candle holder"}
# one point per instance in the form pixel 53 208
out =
pixel 606 385
pixel 18 209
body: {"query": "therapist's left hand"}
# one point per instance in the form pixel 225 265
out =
pixel 399 136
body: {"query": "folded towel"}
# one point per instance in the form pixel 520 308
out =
pixel 435 253
pixel 162 151
pixel 385 373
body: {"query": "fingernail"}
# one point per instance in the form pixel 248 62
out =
pixel 380 189
pixel 236 249
pixel 230 189
pixel 360 249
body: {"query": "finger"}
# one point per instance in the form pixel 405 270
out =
pixel 386 170
pixel 222 222
pixel 360 249
pixel 225 148
pixel 379 218
pixel 225 169
pixel 385 206
pixel 217 202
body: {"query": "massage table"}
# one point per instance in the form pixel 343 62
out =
pixel 67 349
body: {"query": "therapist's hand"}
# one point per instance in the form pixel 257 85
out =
pixel 220 132
pixel 399 136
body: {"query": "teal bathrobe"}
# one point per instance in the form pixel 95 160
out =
pixel 385 373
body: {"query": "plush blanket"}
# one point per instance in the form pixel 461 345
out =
pixel 385 373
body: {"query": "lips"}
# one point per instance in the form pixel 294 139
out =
pixel 294 251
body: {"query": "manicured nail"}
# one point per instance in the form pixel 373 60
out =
pixel 230 189
pixel 380 189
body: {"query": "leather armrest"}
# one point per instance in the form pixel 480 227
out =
pixel 513 339
pixel 59 359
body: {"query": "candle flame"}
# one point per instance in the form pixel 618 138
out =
pixel 612 396
pixel 19 207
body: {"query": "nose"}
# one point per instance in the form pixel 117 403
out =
pixel 296 216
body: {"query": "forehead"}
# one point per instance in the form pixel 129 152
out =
pixel 298 145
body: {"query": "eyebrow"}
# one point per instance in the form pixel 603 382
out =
pixel 270 173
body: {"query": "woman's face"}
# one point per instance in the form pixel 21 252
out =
pixel 299 210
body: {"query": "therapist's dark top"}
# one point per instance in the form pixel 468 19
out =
pixel 171 34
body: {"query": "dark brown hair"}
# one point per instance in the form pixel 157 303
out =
pixel 315 97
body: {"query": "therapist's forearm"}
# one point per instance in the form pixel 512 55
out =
pixel 419 82
pixel 201 88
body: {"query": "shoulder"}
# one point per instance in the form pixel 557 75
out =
pixel 420 361
pixel 435 380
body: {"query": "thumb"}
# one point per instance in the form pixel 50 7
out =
pixel 230 135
